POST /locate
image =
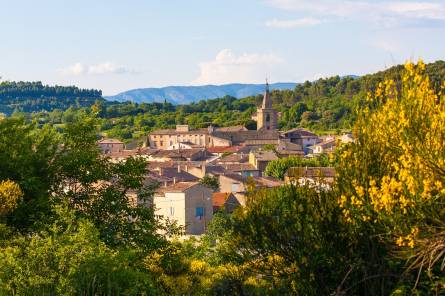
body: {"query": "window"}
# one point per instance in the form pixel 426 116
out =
pixel 235 187
pixel 171 211
pixel 267 117
pixel 199 212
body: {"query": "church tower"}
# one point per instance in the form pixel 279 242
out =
pixel 267 117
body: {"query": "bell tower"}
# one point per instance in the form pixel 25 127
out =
pixel 267 117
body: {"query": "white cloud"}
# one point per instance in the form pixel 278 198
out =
pixel 228 67
pixel 76 69
pixel 297 23
pixel 97 69
pixel 380 12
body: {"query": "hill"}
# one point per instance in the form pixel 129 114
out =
pixel 34 97
pixel 188 94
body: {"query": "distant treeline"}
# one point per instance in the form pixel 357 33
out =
pixel 34 97
pixel 323 105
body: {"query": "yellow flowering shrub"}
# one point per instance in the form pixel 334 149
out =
pixel 393 176
pixel 10 195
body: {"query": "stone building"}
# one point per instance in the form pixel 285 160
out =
pixel 267 116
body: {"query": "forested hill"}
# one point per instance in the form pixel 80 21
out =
pixel 323 105
pixel 34 97
pixel 189 94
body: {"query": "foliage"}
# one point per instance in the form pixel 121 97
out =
pixel 25 158
pixel 68 258
pixel 111 195
pixel 10 195
pixel 211 182
pixel 392 179
pixel 278 168
pixel 34 97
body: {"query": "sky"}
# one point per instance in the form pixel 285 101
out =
pixel 117 45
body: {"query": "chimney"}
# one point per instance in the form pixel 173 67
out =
pixel 161 171
pixel 174 180
pixel 179 168
pixel 203 169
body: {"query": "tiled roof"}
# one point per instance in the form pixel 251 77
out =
pixel 186 153
pixel 301 132
pixel 265 155
pixel 238 167
pixel 181 176
pixel 240 158
pixel 219 198
pixel 110 141
pixel 268 181
pixel 236 177
pixel 224 149
pixel 178 187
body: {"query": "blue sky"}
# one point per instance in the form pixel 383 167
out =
pixel 116 45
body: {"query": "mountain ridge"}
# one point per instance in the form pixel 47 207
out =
pixel 188 94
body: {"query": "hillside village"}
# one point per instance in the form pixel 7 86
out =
pixel 178 160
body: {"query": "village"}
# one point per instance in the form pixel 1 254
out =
pixel 181 161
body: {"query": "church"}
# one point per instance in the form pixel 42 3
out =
pixel 266 133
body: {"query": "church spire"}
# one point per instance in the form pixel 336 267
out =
pixel 267 103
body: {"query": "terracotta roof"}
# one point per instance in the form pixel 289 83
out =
pixel 181 176
pixel 268 181
pixel 236 177
pixel 326 143
pixel 238 167
pixel 178 187
pixel 239 158
pixel 261 181
pixel 224 149
pixel 265 155
pixel 215 169
pixel 301 132
pixel 186 153
pixel 110 141
pixel 219 198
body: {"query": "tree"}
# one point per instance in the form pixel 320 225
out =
pixel 392 178
pixel 211 182
pixel 111 195
pixel 26 154
pixel 10 196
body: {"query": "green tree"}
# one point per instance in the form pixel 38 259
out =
pixel 211 182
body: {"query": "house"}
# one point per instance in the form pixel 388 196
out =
pixel 302 137
pixel 243 169
pixel 225 201
pixel 347 138
pixel 110 145
pixel 260 159
pixel 178 155
pixel 286 148
pixel 266 132
pixel 236 183
pixel 232 182
pixel 183 146
pixel 190 204
pixel 233 158
pixel 171 175
pixel 324 147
